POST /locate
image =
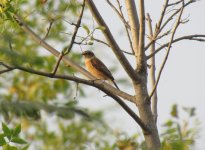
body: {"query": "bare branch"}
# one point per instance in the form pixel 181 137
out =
pixel 58 62
pixel 134 24
pixel 195 37
pixel 70 62
pixel 175 3
pixel 168 50
pixel 141 60
pixel 115 47
pixel 158 26
pixel 48 29
pixel 127 52
pixel 161 26
pixel 63 53
pixel 126 28
pixel 119 14
pixel 5 70
pixel 174 14
pixel 76 29
pixel 87 82
pixel 152 72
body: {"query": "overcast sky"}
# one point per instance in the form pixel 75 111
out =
pixel 182 81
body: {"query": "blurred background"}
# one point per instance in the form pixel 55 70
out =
pixel 42 113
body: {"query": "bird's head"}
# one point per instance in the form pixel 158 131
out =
pixel 88 54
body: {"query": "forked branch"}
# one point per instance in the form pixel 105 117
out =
pixel 68 61
pixel 194 37
pixel 168 50
pixel 115 47
pixel 63 53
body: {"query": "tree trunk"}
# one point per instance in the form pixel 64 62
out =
pixel 151 138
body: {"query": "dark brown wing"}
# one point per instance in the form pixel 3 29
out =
pixel 101 67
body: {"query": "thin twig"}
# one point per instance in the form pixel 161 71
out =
pixel 63 53
pixel 126 27
pixel 162 26
pixel 119 14
pixel 168 50
pixel 195 37
pixel 158 26
pixel 48 29
pixel 58 62
pixel 76 92
pixel 154 39
pixel 5 70
pixel 127 52
pixel 175 3
pixel 175 13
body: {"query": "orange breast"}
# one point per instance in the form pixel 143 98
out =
pixel 95 72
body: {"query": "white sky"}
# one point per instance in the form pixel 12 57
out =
pixel 183 79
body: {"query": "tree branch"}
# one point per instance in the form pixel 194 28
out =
pixel 161 26
pixel 134 24
pixel 158 26
pixel 194 37
pixel 5 70
pixel 119 14
pixel 141 60
pixel 116 49
pixel 152 72
pixel 168 50
pixel 68 61
pixel 48 29
pixel 87 82
pixel 126 28
pixel 126 25
pixel 72 39
pixel 174 14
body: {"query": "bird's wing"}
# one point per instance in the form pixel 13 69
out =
pixel 101 67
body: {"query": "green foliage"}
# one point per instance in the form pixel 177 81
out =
pixel 10 137
pixel 32 110
pixel 180 133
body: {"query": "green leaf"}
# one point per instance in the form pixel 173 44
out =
pixel 18 140
pixel 6 130
pixel 86 28
pixel 101 28
pixel 174 111
pixel 25 147
pixel 9 147
pixel 2 141
pixel 17 130
pixel 169 123
pixel 90 42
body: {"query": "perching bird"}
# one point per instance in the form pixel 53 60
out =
pixel 97 67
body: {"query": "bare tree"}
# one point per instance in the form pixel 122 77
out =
pixel 145 102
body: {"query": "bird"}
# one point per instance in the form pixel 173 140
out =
pixel 97 68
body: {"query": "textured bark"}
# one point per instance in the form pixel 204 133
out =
pixel 143 103
pixel 144 108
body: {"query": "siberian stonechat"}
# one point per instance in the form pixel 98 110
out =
pixel 97 67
